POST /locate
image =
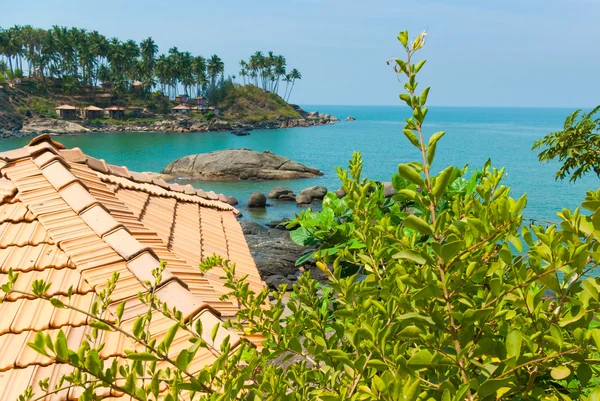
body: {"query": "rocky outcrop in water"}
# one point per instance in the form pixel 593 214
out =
pixel 239 164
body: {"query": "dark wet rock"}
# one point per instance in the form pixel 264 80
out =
pixel 277 280
pixel 239 164
pixel 316 192
pixel 257 200
pixel 240 132
pixel 350 118
pixel 275 254
pixel 232 200
pixel 277 192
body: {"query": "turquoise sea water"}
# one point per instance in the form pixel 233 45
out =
pixel 472 136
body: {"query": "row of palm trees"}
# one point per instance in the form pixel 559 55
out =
pixel 81 57
pixel 268 71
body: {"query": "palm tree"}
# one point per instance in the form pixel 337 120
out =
pixel 162 72
pixel 294 75
pixel 148 51
pixel 215 67
pixel 186 71
pixel 200 74
pixel 243 72
pixel 279 70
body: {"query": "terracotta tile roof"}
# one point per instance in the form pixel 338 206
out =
pixel 73 220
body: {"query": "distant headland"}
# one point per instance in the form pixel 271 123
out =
pixel 69 80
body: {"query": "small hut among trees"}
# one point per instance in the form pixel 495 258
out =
pixel 115 112
pixel 92 112
pixel 181 108
pixel 66 111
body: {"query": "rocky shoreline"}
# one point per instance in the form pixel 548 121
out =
pixel 171 124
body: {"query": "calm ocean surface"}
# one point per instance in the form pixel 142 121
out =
pixel 472 136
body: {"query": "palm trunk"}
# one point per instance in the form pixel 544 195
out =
pixel 292 88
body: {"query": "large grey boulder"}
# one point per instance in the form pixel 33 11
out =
pixel 316 192
pixel 239 164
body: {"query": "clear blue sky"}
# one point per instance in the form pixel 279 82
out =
pixel 480 52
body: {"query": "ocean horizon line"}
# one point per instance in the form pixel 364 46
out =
pixel 448 107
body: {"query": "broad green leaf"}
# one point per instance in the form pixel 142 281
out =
pixel 57 303
pixel 99 325
pixel 411 137
pixel 403 38
pixel 432 146
pixel 584 373
pixel 141 356
pixel 451 249
pixel 409 173
pixel 513 344
pixel 412 392
pixel 120 310
pixel 441 182
pixel 423 96
pixel 421 359
pixel 560 372
pixel 304 258
pixel 418 224
pixel 169 336
pixel 410 255
pixel 60 345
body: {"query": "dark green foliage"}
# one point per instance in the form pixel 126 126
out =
pixel 577 146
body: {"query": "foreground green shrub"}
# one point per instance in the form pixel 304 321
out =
pixel 438 294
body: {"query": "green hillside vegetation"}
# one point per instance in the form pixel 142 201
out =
pixel 32 98
pixel 252 103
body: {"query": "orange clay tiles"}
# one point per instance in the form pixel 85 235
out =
pixel 73 220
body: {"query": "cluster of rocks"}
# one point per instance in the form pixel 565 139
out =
pixel 321 119
pixel 305 197
pixel 175 123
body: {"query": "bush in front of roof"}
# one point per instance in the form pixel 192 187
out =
pixel 456 300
